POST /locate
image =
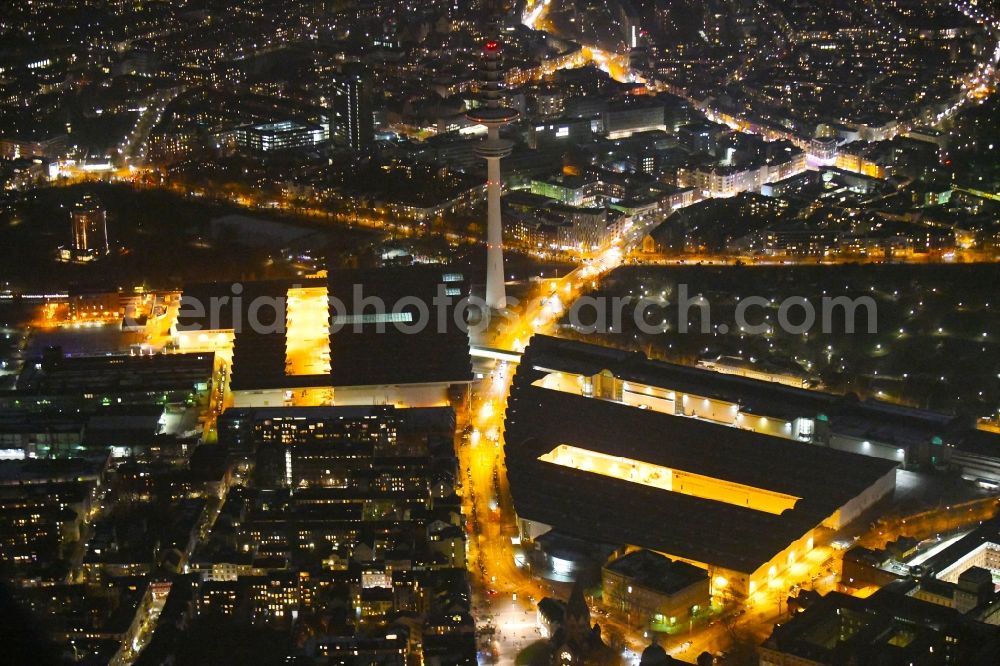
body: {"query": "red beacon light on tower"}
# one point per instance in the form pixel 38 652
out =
pixel 492 45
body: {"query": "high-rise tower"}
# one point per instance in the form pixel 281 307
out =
pixel 492 149
pixel 89 227
pixel 352 107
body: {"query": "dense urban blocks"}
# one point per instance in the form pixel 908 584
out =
pixel 241 421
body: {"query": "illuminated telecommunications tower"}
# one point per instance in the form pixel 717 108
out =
pixel 492 149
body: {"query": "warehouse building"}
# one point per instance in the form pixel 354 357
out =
pixel 325 341
pixel 746 506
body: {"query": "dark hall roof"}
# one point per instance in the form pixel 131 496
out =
pixel 618 511
pixel 363 352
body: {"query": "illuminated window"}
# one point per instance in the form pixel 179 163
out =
pixel 384 318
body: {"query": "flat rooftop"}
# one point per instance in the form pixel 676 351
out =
pixel 371 353
pixel 365 348
pixel 656 572
pixel 116 374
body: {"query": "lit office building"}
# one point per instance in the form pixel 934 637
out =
pixel 353 119
pixel 283 135
pixel 376 449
